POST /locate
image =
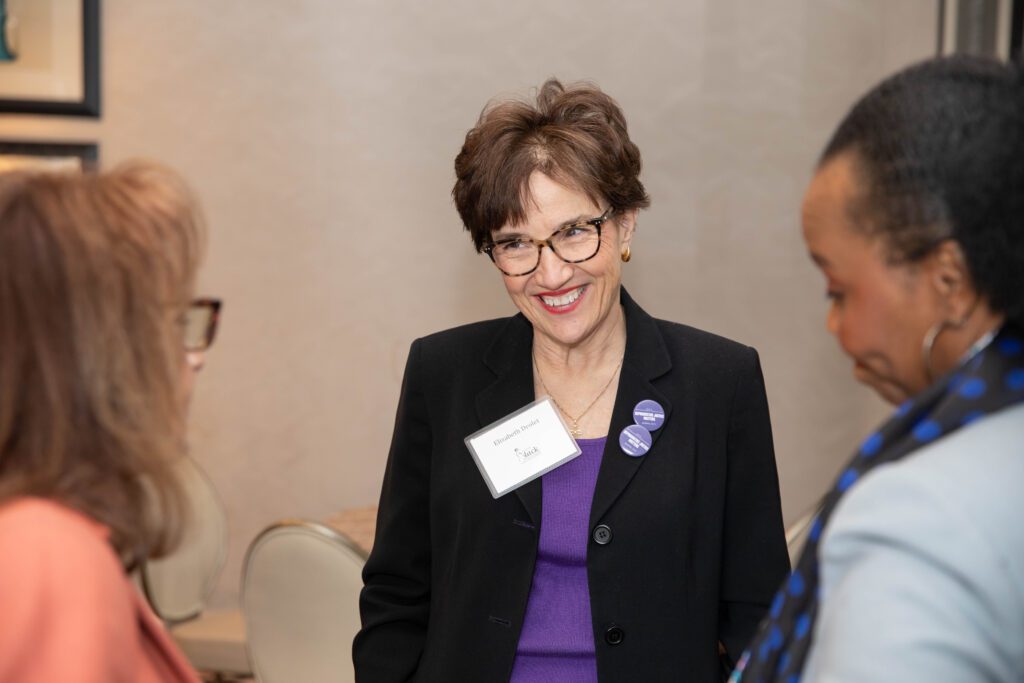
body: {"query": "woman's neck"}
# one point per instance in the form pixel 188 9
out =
pixel 604 346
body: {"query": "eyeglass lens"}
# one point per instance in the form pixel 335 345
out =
pixel 199 323
pixel 573 244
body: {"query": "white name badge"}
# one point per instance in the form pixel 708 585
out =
pixel 521 447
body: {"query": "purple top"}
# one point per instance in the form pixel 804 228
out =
pixel 557 640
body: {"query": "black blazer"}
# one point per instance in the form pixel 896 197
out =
pixel 697 544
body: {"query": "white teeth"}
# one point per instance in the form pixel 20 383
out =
pixel 563 300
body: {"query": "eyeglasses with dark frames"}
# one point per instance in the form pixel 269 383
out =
pixel 201 320
pixel 575 243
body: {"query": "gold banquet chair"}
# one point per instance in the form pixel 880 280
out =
pixel 300 600
pixel 178 586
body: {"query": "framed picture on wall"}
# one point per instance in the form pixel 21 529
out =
pixel 48 156
pixel 50 57
pixel 991 28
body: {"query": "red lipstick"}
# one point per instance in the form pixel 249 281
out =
pixel 566 308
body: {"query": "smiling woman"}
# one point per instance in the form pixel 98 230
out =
pixel 655 550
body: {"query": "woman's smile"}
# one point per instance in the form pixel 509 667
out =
pixel 563 301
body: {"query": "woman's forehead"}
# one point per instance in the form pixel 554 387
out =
pixel 549 205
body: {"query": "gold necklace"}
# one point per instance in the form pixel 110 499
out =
pixel 575 431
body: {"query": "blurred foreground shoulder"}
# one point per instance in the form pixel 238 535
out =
pixel 35 532
pixel 66 611
pixel 923 565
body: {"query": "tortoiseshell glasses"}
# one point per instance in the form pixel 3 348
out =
pixel 573 243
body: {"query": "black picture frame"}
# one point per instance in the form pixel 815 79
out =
pixel 89 104
pixel 83 155
pixel 1017 31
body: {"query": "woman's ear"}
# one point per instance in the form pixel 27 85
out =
pixel 951 280
pixel 627 226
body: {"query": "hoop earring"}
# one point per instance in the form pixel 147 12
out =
pixel 626 254
pixel 933 333
pixel 926 347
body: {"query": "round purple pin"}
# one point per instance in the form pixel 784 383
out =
pixel 635 440
pixel 649 415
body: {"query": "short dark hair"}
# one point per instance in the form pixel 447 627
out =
pixel 940 147
pixel 574 134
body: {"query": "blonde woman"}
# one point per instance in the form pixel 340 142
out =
pixel 99 343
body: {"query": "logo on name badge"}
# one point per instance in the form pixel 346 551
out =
pixel 524 454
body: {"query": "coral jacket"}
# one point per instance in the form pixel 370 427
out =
pixel 69 611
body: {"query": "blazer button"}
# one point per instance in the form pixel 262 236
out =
pixel 602 534
pixel 614 635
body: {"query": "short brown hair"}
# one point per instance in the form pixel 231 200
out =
pixel 574 134
pixel 95 273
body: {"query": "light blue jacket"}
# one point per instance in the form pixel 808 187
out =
pixel 923 565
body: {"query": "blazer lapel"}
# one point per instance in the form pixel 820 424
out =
pixel 509 358
pixel 646 359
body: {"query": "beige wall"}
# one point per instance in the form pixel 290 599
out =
pixel 320 136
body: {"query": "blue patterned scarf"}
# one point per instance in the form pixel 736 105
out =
pixel 990 380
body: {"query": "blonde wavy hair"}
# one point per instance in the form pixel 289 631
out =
pixel 96 273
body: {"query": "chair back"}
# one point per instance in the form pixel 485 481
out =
pixel 177 586
pixel 300 600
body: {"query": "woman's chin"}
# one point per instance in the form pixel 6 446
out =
pixel 563 335
pixel 565 329
pixel 890 391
